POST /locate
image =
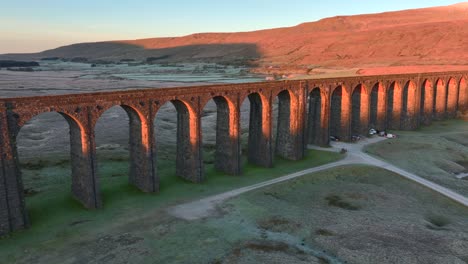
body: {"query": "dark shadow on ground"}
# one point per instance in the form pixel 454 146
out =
pixel 238 53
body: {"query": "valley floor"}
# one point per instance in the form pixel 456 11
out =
pixel 346 214
pixel 438 153
pixel 350 214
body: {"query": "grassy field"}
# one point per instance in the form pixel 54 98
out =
pixel 57 219
pixel 438 152
pixel 353 214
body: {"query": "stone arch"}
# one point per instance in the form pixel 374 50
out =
pixel 427 102
pixel 259 149
pixel 226 140
pixel 140 148
pixel 84 184
pixel 463 95
pixel 359 110
pixel 22 119
pixel 165 140
pixel 440 99
pixel 394 105
pixel 452 97
pixel 340 113
pixel 188 156
pixel 377 107
pixel 287 129
pixel 189 167
pixel 408 108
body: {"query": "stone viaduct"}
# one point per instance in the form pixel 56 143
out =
pixel 309 111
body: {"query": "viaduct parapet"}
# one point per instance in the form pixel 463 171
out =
pixel 309 112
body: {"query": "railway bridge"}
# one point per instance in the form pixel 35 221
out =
pixel 309 111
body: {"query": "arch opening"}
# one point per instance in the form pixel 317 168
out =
pixel 283 142
pixel 209 134
pixel 440 100
pixel 43 143
pixel 220 136
pixel 427 102
pixel 244 128
pixel 51 157
pixel 112 139
pixel 256 128
pixel 123 148
pixel 463 96
pixel 335 115
pixel 178 118
pixel 165 130
pixel 340 114
pixel 274 123
pixel 452 98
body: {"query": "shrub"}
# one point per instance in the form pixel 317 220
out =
pixel 337 201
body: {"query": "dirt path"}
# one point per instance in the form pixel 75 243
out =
pixel 207 206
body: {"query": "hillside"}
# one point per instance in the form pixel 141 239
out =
pixel 429 38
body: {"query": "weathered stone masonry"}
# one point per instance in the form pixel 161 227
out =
pixel 309 111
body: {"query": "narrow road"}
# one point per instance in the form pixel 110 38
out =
pixel 206 206
pixel 356 150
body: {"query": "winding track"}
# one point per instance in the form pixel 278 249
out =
pixel 206 206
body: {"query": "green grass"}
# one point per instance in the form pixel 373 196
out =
pixel 437 222
pixel 394 213
pixel 55 216
pixel 438 152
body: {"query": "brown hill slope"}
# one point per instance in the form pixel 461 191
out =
pixel 430 36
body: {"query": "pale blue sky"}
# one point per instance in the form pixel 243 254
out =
pixel 36 25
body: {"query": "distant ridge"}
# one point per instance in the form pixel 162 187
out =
pixel 418 37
